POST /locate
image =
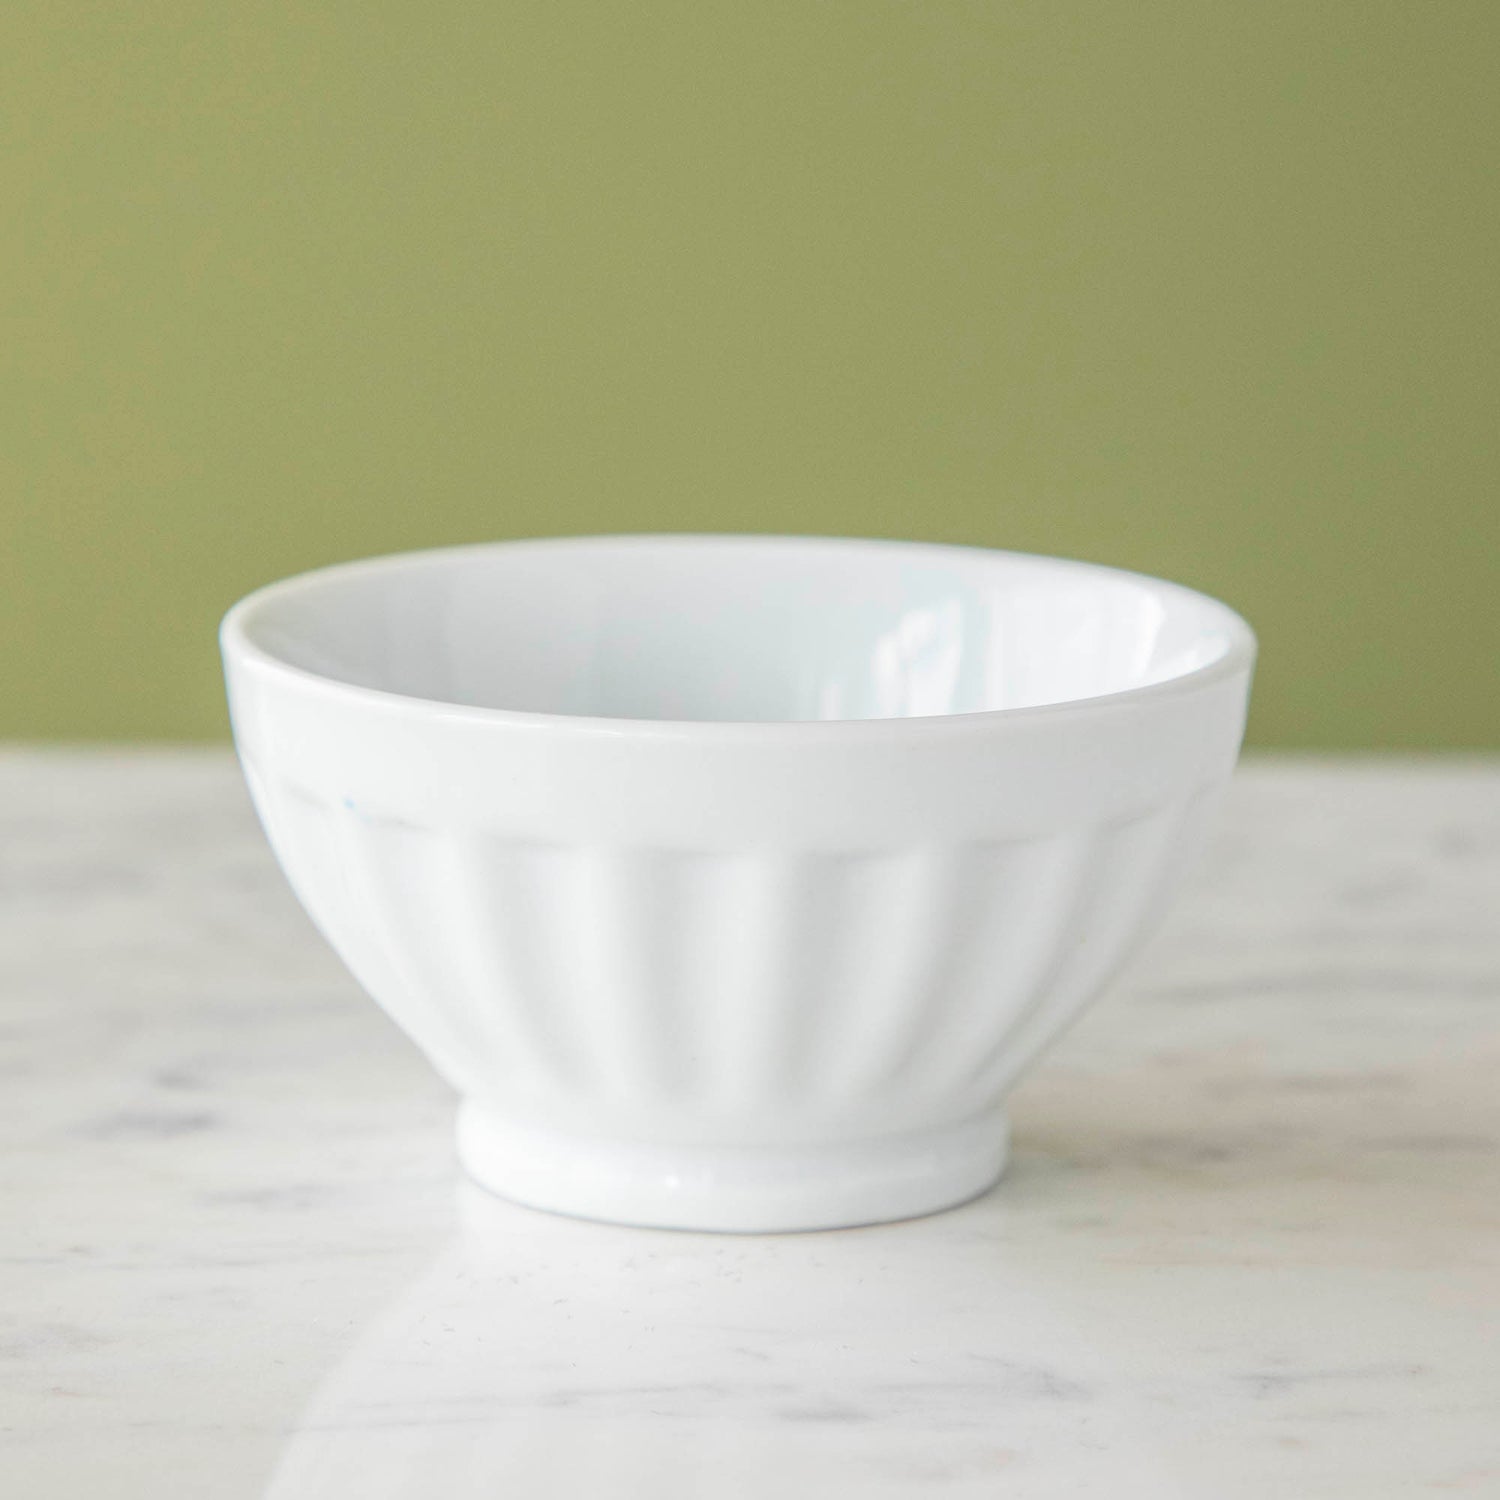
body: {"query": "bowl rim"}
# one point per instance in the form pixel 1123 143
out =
pixel 240 649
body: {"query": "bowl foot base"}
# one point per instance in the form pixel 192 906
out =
pixel 746 1190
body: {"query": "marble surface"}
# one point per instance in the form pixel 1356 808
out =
pixel 1249 1244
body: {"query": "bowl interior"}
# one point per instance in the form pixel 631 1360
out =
pixel 737 628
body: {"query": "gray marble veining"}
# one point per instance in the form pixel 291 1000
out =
pixel 1249 1244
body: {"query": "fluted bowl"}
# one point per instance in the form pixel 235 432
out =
pixel 732 881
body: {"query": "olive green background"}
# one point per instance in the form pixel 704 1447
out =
pixel 1207 290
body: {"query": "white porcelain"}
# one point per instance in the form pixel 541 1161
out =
pixel 732 881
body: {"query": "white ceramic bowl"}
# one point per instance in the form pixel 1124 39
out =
pixel 732 881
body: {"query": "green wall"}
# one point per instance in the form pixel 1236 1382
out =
pixel 1202 289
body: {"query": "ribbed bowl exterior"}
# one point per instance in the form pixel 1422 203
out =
pixel 826 934
pixel 725 994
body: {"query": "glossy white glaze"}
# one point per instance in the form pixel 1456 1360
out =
pixel 723 971
pixel 737 628
pixel 1247 1245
